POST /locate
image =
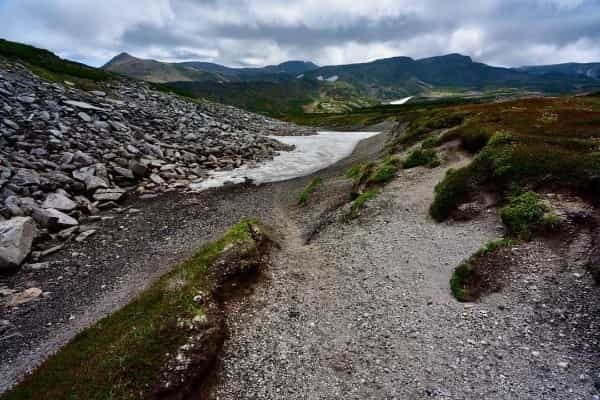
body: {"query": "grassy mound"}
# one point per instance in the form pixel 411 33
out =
pixel 123 356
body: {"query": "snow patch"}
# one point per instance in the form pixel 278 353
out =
pixel 332 78
pixel 312 154
pixel 401 101
pixel 320 78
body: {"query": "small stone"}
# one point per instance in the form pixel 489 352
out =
pixel 84 235
pixel 563 364
pixel 84 117
pixel 112 194
pixel 24 297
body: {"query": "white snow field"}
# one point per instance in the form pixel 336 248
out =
pixel 401 101
pixel 312 154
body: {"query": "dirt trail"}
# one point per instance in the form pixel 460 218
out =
pixel 365 312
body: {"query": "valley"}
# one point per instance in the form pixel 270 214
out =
pixel 405 228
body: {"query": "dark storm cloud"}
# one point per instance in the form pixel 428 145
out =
pixel 244 32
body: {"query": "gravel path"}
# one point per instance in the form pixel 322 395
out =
pixel 365 312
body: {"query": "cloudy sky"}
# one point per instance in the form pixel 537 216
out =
pixel 260 32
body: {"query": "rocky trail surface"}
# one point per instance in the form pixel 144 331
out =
pixel 364 311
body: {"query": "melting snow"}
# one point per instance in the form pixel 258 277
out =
pixel 401 101
pixel 312 153
pixel 332 78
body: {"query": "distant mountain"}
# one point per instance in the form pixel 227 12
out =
pixel 589 70
pixel 298 86
pixel 156 71
pixel 402 76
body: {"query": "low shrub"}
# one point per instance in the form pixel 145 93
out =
pixel 418 157
pixel 523 213
pixel 459 282
pixel 450 192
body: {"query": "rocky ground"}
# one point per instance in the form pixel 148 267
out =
pixel 133 245
pixel 365 312
pixel 67 154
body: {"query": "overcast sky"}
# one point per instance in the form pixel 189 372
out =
pixel 260 32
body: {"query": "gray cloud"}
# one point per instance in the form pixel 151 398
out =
pixel 259 32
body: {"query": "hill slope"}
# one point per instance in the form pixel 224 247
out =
pixel 589 70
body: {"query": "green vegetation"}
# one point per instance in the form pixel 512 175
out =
pixel 459 282
pixel 450 192
pixel 467 280
pixel 527 149
pixel 308 191
pixel 418 157
pixel 360 201
pixel 48 65
pixel 122 356
pixel 523 214
pixel 385 170
pixel 550 221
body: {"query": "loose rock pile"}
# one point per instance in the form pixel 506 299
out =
pixel 66 153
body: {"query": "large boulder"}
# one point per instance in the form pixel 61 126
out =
pixel 16 237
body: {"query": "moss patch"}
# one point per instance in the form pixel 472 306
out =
pixel 122 355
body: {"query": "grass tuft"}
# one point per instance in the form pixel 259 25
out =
pixel 361 200
pixel 426 157
pixel 308 191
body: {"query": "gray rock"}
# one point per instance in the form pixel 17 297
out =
pixel 16 237
pixel 84 235
pixel 59 202
pixel 53 219
pixel 84 117
pixel 82 105
pixel 10 124
pixel 112 194
pixel 26 177
pixel 26 99
pixel 95 182
pixel 157 179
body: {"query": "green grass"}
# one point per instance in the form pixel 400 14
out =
pixel 419 157
pixel 385 170
pixel 122 355
pixel 361 200
pixel 308 191
pixel 523 214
